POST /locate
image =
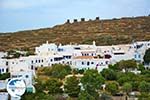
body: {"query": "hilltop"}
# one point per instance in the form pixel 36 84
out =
pixel 104 32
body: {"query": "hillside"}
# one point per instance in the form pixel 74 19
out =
pixel 104 32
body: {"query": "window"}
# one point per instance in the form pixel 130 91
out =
pixel 7 70
pixel 88 63
pixel 7 63
pixel 2 69
pixel 119 53
pixel 32 67
pixel 67 62
pixel 139 56
pixel 82 63
pixel 32 61
pixel 134 56
pixel 106 62
pixel 19 75
pixel 77 48
pixel 69 57
pixel 36 68
pixel 92 62
pixel 14 76
pixel 59 49
pixel 42 60
pixel 107 56
pixel 27 76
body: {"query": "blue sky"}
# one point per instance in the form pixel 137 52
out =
pixel 16 15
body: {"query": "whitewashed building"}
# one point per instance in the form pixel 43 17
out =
pixel 90 62
pixel 91 55
pixel 46 49
pixel 3 66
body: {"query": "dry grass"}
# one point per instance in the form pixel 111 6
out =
pixel 104 32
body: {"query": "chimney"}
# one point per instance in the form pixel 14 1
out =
pixel 75 20
pixel 68 21
pixel 94 43
pixel 82 19
pixel 97 19
pixel 46 42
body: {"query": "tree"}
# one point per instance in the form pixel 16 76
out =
pixel 92 81
pixel 146 73
pixel 40 94
pixel 112 87
pixel 122 78
pixel 78 71
pixel 40 86
pixel 53 86
pixel 144 86
pixel 144 96
pixel 114 67
pixel 147 56
pixel 71 86
pixel 127 87
pixel 126 77
pixel 127 64
pixel 109 74
pixel 59 71
pixel 37 96
pixel 4 76
pixel 84 95
pixel 135 85
pixel 141 67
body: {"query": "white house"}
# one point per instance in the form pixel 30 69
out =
pixel 49 54
pixel 90 62
pixel 141 48
pixel 16 65
pixel 46 48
